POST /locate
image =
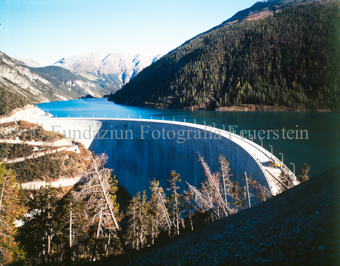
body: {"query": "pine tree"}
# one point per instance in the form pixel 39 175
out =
pixel 227 184
pixel 159 215
pixel 10 208
pixel 174 201
pixel 189 207
pixel 274 61
pixel 99 193
pixel 131 214
pixel 71 235
pixel 40 227
pixel 285 179
pixel 138 217
pixel 303 173
pixel 236 195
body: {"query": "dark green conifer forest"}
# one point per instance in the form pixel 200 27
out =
pixel 10 101
pixel 289 59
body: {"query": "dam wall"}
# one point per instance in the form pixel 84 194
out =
pixel 142 150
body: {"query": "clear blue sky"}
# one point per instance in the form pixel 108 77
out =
pixel 47 30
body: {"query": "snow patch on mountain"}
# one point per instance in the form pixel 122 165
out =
pixel 115 68
pixel 27 62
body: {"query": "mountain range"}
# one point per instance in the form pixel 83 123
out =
pixel 276 53
pixel 24 81
pixel 116 69
pixel 29 62
pixel 46 83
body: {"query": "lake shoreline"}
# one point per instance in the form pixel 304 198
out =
pixel 268 108
pixel 242 108
pixel 260 108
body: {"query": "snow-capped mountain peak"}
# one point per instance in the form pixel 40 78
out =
pixel 116 68
pixel 27 61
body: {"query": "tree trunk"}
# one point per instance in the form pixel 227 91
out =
pixel 107 245
pixel 71 235
pixel 152 234
pixel 113 217
pixel 49 232
pixel 2 194
pixel 97 236
pixel 165 212
pixel 177 214
pixel 249 204
pixel 70 240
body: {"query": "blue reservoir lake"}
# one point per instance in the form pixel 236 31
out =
pixel 287 132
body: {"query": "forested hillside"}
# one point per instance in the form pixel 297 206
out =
pixel 290 58
pixel 11 101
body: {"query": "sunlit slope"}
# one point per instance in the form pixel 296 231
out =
pixel 289 57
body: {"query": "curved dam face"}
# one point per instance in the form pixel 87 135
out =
pixel 142 150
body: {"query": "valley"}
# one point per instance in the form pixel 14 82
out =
pixel 222 151
pixel 68 78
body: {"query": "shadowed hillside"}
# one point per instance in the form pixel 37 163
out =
pixel 288 57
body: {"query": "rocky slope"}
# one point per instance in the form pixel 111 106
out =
pixel 264 9
pixel 297 227
pixel 73 84
pixel 43 84
pixel 21 80
pixel 38 156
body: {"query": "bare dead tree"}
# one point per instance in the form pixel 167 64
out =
pixel 227 184
pixel 263 193
pixel 98 192
pixel 160 218
pixel 213 181
pixel 165 210
pixel 201 201
pixel 215 191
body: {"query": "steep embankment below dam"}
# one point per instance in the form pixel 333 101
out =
pixel 298 227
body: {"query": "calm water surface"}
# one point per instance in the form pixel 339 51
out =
pixel 321 150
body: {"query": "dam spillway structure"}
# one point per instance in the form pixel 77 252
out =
pixel 141 150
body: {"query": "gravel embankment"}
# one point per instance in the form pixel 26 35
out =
pixel 298 227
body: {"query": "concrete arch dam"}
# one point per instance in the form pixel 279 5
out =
pixel 140 150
